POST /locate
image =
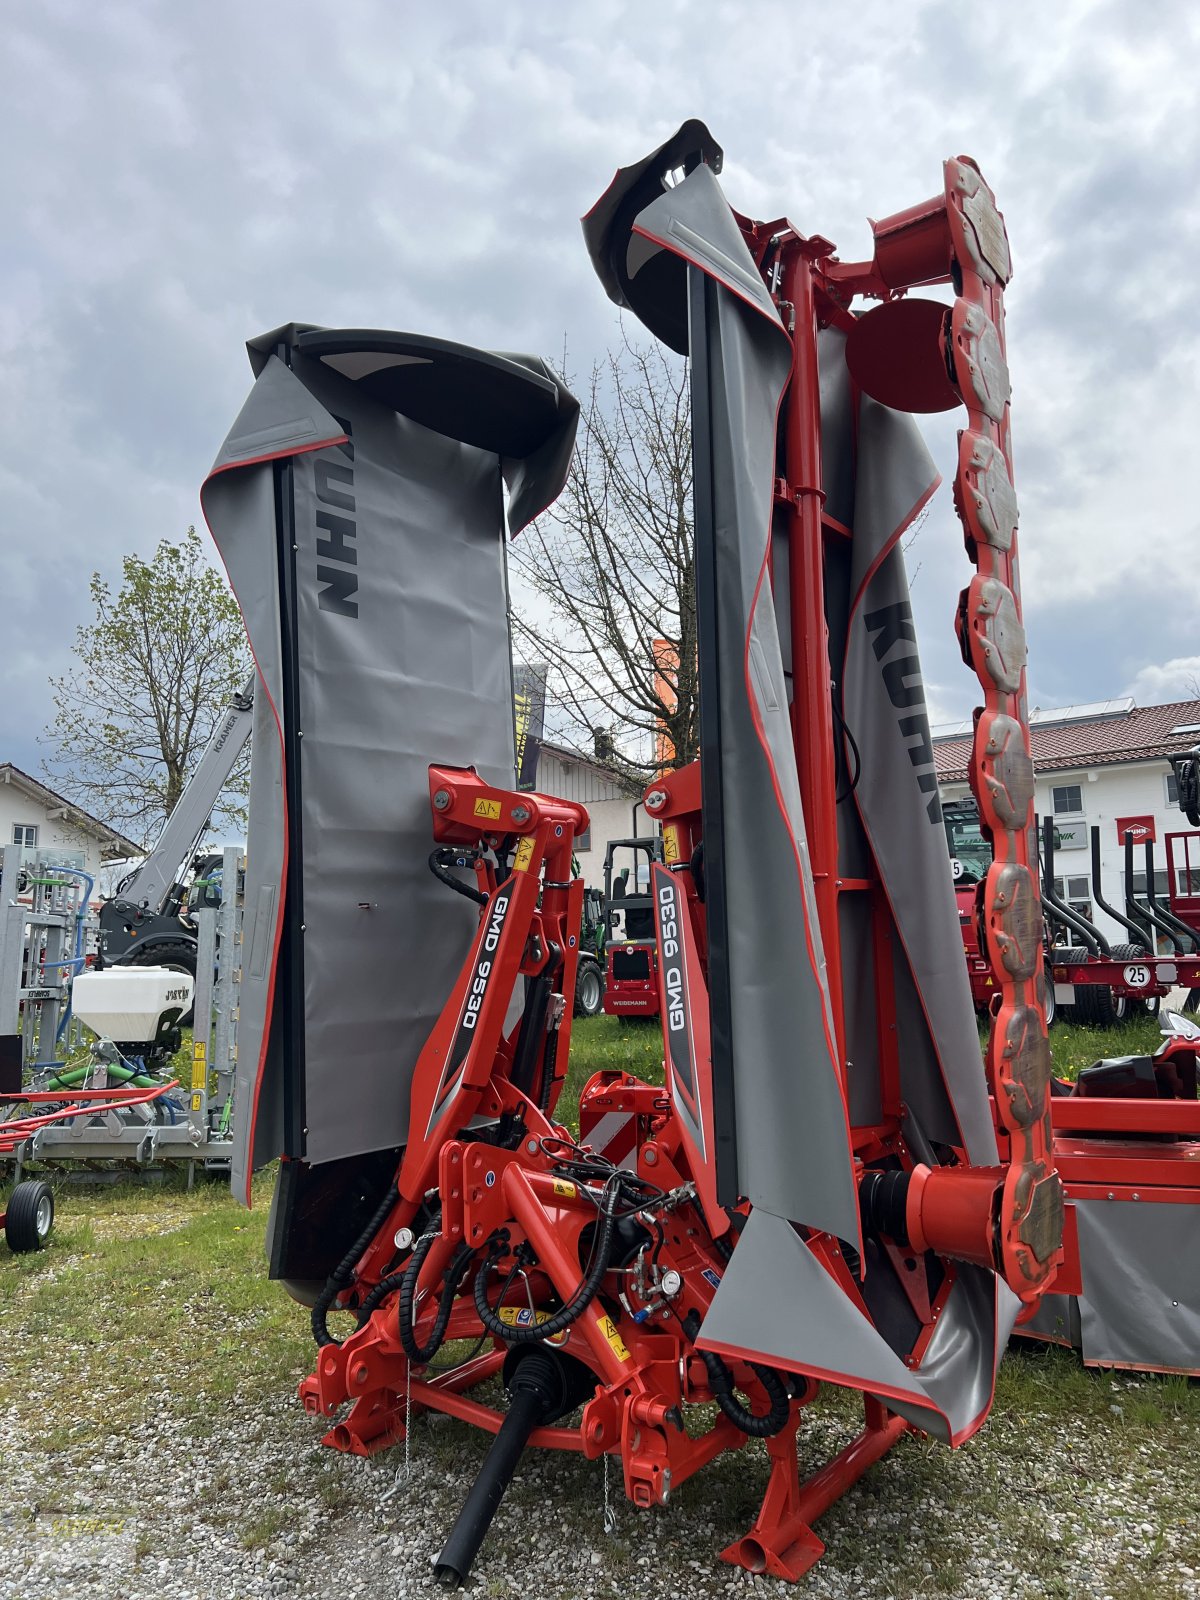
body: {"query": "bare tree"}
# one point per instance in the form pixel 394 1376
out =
pixel 612 608
pixel 156 670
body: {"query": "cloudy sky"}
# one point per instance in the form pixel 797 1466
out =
pixel 177 178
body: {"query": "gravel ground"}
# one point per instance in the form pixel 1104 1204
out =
pixel 244 1502
pixel 153 1449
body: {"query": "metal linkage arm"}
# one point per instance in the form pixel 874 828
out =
pixel 151 883
pixel 529 927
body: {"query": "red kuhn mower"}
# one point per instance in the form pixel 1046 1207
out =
pixel 822 1192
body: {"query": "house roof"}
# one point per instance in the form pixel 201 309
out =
pixel 576 758
pixel 1087 736
pixel 116 847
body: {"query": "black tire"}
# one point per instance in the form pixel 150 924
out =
pixel 589 988
pixel 1095 1003
pixel 1072 956
pixel 1147 1006
pixel 1108 1010
pixel 30 1216
pixel 1048 1000
pixel 178 955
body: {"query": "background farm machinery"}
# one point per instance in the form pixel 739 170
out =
pixel 150 919
pixel 117 1095
pixel 166 949
pixel 630 951
pixel 1090 975
pixel 1127 1132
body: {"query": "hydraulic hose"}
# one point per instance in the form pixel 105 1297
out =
pixel 440 862
pixel 417 1353
pixel 343 1274
pixel 575 1306
pixel 720 1381
pixel 123 1077
pixel 377 1295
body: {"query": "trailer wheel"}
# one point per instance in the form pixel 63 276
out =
pixel 1149 1005
pixel 1100 1006
pixel 1074 955
pixel 1048 1000
pixel 1095 1003
pixel 30 1216
pixel 589 989
pixel 176 954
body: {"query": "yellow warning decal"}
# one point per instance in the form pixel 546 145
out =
pixel 488 809
pixel 199 1066
pixel 671 843
pixel 567 1190
pixel 524 1317
pixel 608 1331
pixel 524 855
pixel 197 1102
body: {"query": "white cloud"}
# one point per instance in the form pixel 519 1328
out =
pixel 1160 683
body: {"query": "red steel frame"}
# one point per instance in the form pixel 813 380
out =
pixel 1113 1149
pixel 522 1202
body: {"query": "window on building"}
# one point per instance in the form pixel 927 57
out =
pixel 1139 884
pixel 25 833
pixel 1077 892
pixel 1189 880
pixel 1068 800
pixel 583 841
pixel 1172 790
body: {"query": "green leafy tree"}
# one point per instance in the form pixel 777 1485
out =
pixel 155 670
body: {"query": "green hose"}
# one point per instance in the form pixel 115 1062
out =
pixel 72 1077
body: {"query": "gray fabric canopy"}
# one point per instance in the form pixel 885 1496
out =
pixel 654 238
pixel 358 506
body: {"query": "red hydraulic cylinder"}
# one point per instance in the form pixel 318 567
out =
pixel 812 726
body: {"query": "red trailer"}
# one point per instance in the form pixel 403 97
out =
pixel 1089 976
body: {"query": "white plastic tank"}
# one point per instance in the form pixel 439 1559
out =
pixel 130 1003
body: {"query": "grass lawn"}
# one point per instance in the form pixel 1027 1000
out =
pixel 149 1374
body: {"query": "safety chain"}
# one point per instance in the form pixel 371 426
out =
pixel 403 1471
pixel 992 638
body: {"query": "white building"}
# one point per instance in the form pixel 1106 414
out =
pixel 613 811
pixel 34 817
pixel 1102 765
